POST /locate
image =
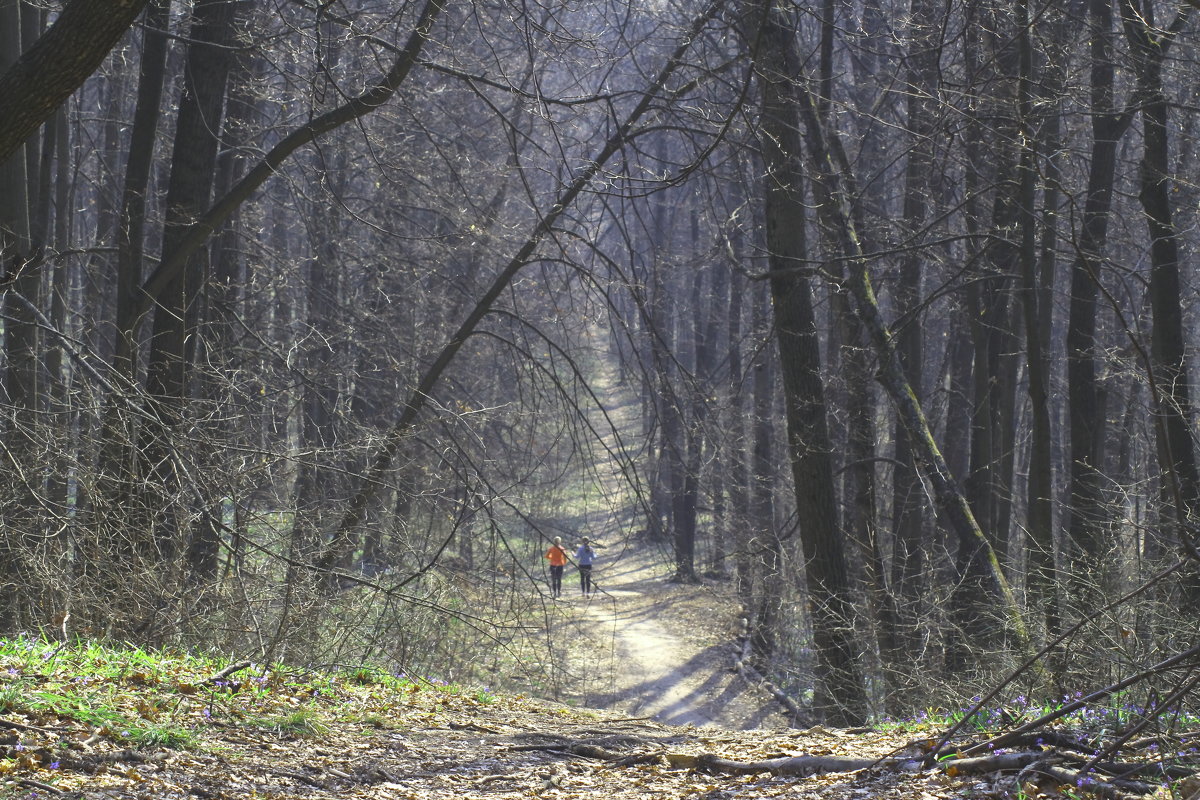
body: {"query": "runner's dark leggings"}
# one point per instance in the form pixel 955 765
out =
pixel 585 578
pixel 556 574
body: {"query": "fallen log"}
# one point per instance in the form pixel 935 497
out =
pixel 1114 789
pixel 787 765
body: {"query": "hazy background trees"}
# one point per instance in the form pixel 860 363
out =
pixel 320 319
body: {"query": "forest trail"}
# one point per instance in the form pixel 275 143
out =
pixel 641 645
pixel 661 651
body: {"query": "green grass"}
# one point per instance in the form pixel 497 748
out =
pixel 149 699
pixel 304 723
pixel 150 737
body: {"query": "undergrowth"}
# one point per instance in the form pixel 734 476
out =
pixel 146 699
pixel 1116 713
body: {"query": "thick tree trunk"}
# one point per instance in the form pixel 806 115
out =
pixel 841 697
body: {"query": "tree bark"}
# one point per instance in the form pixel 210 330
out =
pixel 189 192
pixel 57 64
pixel 1042 579
pixel 18 384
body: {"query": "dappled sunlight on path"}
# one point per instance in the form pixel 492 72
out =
pixel 662 651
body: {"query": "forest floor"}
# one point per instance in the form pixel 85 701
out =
pixel 649 653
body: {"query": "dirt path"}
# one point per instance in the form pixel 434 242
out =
pixel 656 650
pixel 643 646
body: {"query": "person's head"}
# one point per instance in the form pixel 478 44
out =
pixel 586 540
pixel 558 540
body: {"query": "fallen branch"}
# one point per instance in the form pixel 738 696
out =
pixel 554 742
pixel 999 762
pixel 93 762
pixel 470 726
pixel 1109 781
pixel 45 787
pixel 21 726
pixel 798 715
pixel 232 668
pixel 744 668
pixel 787 765
pixel 302 778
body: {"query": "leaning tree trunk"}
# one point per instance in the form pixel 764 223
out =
pixel 54 66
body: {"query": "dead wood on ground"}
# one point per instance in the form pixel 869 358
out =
pixel 1024 768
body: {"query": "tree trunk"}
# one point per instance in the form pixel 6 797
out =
pixel 22 473
pixel 117 464
pixel 1087 507
pixel 763 580
pixel 49 71
pixel 1168 356
pixel 741 423
pixel 841 697
pixel 1042 578
pixel 909 510
pixel 189 193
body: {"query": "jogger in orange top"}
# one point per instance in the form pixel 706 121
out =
pixel 557 557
